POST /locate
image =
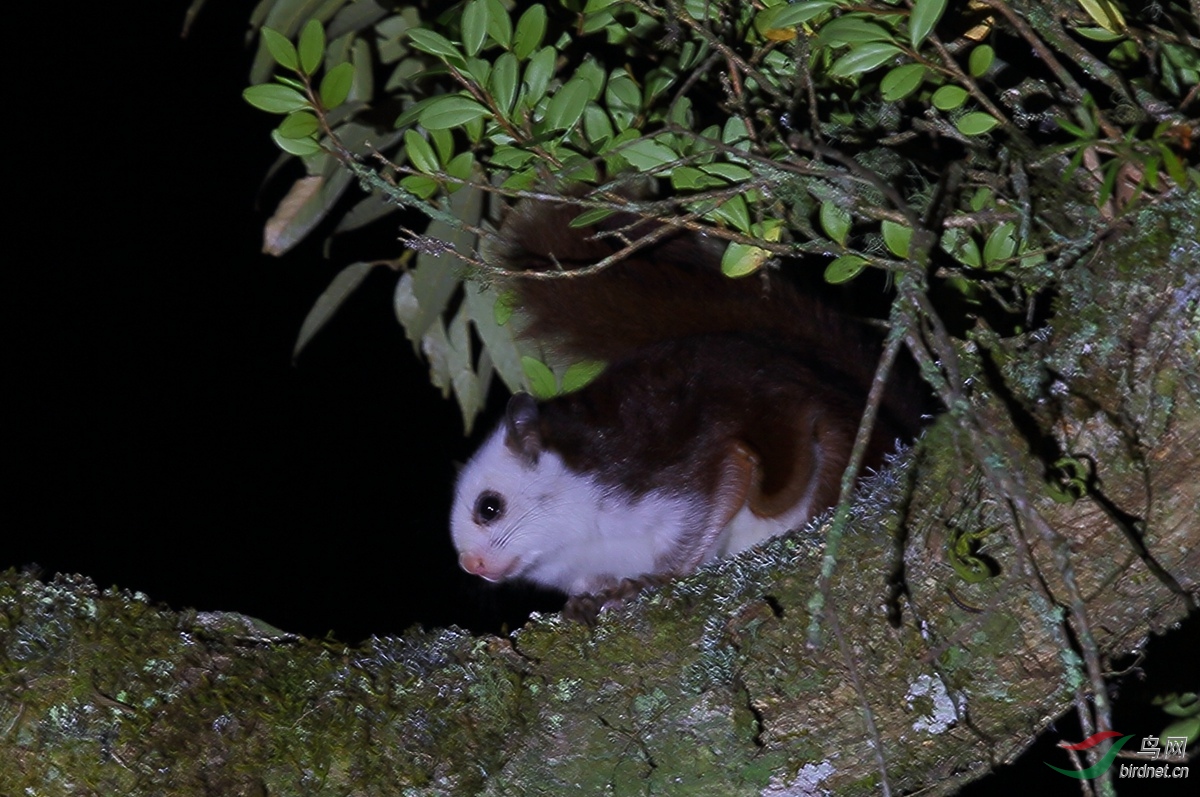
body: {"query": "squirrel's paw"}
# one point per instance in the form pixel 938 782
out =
pixel 587 608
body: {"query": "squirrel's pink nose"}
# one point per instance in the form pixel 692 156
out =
pixel 473 563
pixel 479 565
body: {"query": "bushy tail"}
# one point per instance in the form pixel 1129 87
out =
pixel 672 288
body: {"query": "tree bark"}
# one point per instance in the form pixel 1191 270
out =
pixel 707 686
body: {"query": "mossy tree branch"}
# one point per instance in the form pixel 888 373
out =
pixel 707 686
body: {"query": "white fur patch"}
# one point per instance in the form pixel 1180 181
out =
pixel 748 529
pixel 560 528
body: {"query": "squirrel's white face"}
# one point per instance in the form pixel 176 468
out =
pixel 508 511
pixel 520 512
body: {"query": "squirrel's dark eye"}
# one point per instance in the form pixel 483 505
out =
pixel 488 507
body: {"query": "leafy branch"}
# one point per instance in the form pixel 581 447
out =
pixel 914 138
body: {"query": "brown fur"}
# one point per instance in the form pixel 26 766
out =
pixel 700 366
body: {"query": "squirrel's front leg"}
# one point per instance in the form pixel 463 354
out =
pixel 586 608
pixel 737 476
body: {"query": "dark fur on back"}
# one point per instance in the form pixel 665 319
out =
pixel 673 292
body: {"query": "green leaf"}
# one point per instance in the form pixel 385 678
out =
pixel 1188 727
pixel 443 144
pixel 589 217
pixel 730 171
pixel 422 186
pixel 474 26
pixel 503 81
pixel 568 104
pixel 420 154
pixel 273 98
pixel 799 13
pixel 510 157
pixel 1105 14
pixel 1098 34
pixel 1185 704
pixel 689 178
pixel 581 374
pixel 521 181
pixel 1173 165
pixel 735 133
pixel 450 362
pixel 1074 130
pixel 423 294
pixel 596 126
pixel 488 308
pixel 312 46
pixel 791 15
pixel 312 198
pixel 298 85
pixel 301 124
pixel 962 246
pixel 734 212
pixel 502 310
pixel 981 199
pixel 538 74
pixel 681 114
pixel 852 30
pixel 980 60
pixel 864 58
pixel 327 304
pixel 578 169
pixel 924 17
pixel 656 81
pixel 499 23
pixel 1110 172
pixel 594 23
pixel 949 97
pixel 1074 163
pixel 646 154
pixel 531 29
pixel 1000 245
pixel 976 123
pixel 362 56
pixel 282 50
pixel 844 269
pixel 768 229
pixel 433 43
pixel 336 85
pixel 410 114
pixel 301 147
pixel 451 111
pixel 901 81
pixel 623 98
pixel 460 166
pixel 479 69
pixel 835 220
pixel 897 237
pixel 742 259
pixel 541 379
pixel 593 73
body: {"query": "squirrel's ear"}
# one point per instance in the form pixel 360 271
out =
pixel 521 428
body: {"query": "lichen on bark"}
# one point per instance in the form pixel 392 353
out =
pixel 706 686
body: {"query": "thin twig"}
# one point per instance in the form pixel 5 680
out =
pixel 833 536
pixel 868 714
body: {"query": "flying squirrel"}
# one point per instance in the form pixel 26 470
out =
pixel 725 416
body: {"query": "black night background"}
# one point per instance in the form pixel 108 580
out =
pixel 159 436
